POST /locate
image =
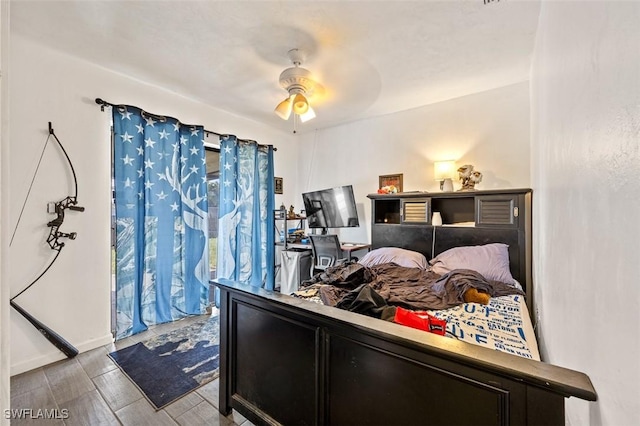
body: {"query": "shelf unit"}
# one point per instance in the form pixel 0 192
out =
pixel 284 221
pixel 281 224
pixel 499 208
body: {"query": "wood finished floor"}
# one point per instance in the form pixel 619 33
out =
pixel 95 392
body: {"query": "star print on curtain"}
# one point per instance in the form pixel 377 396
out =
pixel 245 226
pixel 162 255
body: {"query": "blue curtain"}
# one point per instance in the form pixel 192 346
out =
pixel 246 230
pixel 162 255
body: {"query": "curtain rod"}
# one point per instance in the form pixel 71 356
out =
pixel 104 103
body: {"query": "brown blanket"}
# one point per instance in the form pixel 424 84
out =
pixel 412 288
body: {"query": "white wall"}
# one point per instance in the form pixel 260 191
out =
pixel 5 394
pixel 489 130
pixel 73 297
pixel 585 174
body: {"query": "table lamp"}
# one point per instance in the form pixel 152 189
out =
pixel 444 171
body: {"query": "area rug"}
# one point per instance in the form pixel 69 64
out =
pixel 169 366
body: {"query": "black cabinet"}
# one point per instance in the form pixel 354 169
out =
pixel 497 210
pixel 415 210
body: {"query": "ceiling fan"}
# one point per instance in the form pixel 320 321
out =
pixel 299 84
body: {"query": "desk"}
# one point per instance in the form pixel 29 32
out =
pixel 347 248
pixel 350 247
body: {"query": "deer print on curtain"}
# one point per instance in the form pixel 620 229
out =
pixel 245 227
pixel 162 256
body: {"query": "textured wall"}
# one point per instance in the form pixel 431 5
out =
pixel 585 174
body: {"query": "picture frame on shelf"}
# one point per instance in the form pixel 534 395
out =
pixel 390 182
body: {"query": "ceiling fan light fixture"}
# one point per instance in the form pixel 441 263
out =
pixel 300 104
pixel 284 108
pixel 310 114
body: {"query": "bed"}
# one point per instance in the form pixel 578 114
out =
pixel 287 360
pixel 392 283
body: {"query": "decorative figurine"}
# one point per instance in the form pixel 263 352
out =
pixel 468 177
pixel 292 214
pixel 389 189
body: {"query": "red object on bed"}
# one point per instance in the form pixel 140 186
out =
pixel 420 320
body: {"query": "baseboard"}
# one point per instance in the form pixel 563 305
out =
pixel 51 357
pixel 92 344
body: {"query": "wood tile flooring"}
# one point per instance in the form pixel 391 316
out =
pixel 95 392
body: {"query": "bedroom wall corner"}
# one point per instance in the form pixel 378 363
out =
pixel 585 166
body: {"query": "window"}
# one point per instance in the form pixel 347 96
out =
pixel 213 190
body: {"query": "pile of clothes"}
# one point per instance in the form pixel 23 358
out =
pixel 397 293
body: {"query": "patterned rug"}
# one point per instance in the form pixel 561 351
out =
pixel 169 366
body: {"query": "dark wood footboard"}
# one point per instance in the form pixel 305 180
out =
pixel 289 361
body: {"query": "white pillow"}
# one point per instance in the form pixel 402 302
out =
pixel 490 260
pixel 402 257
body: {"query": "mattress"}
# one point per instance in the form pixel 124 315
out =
pixel 504 324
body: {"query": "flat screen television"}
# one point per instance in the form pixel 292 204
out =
pixel 331 208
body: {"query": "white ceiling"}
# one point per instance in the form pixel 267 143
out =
pixel 372 57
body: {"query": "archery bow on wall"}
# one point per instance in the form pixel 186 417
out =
pixel 56 242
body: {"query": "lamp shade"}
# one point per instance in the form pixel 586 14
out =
pixel 300 104
pixel 284 109
pixel 444 169
pixel 308 115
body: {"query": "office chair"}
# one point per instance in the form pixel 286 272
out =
pixel 326 251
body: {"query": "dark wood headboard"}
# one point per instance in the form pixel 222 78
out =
pixel 468 218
